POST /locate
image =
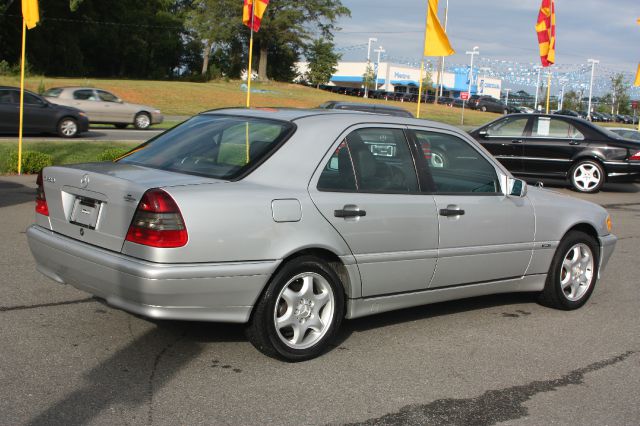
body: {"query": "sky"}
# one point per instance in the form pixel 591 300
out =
pixel 605 30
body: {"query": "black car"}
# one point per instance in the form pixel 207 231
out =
pixel 373 108
pixel 40 115
pixel 558 146
pixel 486 103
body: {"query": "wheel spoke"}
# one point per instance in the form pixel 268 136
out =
pixel 299 331
pixel 315 323
pixel 320 300
pixel 290 297
pixel 307 287
pixel 285 320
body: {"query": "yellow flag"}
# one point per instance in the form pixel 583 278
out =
pixel 30 13
pixel 436 42
pixel 637 82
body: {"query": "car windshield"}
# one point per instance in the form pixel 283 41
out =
pixel 52 93
pixel 216 146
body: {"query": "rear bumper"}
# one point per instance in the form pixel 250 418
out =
pixel 156 118
pixel 223 292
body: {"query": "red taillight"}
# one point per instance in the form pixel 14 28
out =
pixel 158 222
pixel 41 200
pixel 635 157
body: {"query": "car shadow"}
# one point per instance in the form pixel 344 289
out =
pixel 12 193
pixel 620 187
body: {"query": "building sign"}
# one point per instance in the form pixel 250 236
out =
pixel 401 76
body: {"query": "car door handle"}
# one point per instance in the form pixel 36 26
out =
pixel 517 141
pixel 349 211
pixel 574 143
pixel 451 212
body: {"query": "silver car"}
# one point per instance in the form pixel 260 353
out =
pixel 103 107
pixel 292 220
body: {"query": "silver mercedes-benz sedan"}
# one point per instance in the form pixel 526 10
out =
pixel 292 220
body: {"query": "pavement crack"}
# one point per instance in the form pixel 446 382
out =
pixel 152 376
pixel 492 407
pixel 45 305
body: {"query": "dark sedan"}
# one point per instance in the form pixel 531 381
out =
pixel 40 116
pixel 558 146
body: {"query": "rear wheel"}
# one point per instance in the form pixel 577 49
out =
pixel 142 121
pixel 587 176
pixel 300 311
pixel 483 108
pixel 573 272
pixel 67 127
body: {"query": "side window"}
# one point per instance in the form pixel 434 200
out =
pixel 6 97
pixel 454 166
pixel 380 159
pixel 106 96
pixel 30 99
pixel 546 127
pixel 508 127
pixel 84 95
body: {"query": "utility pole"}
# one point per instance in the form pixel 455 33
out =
pixel 366 86
pixel 506 99
pixel 441 74
pixel 593 63
pixel 379 51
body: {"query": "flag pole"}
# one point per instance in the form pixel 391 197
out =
pixel 22 60
pixel 424 47
pixel 253 4
pixel 548 89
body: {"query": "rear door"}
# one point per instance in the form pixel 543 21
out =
pixel 368 190
pixel 87 101
pixel 8 111
pixel 550 148
pixel 504 139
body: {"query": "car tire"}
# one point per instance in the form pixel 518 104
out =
pixel 483 108
pixel 587 176
pixel 438 160
pixel 142 121
pixel 121 125
pixel 300 311
pixel 573 272
pixel 67 127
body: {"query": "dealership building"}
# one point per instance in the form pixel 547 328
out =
pixel 406 79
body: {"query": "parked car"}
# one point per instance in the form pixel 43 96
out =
pixel 486 103
pixel 445 100
pixel 293 220
pixel 104 107
pixel 597 117
pixel 557 146
pixel 372 108
pixel 40 116
pixel 625 132
pixel 524 110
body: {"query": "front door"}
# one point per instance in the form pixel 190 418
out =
pixel 368 190
pixel 551 147
pixel 484 234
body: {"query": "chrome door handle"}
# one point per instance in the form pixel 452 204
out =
pixel 451 212
pixel 349 211
pixel 574 143
pixel 517 141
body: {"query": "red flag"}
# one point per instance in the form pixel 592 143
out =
pixel 546 29
pixel 257 7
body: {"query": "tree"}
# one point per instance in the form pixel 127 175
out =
pixel 291 23
pixel 323 62
pixel 214 22
pixel 571 100
pixel 620 93
pixel 369 77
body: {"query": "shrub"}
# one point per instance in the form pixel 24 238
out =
pixel 32 162
pixel 41 88
pixel 112 153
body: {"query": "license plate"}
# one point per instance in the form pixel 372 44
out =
pixel 85 212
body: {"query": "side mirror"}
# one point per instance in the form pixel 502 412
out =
pixel 516 187
pixel 483 133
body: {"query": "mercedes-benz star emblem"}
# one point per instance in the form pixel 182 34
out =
pixel 84 181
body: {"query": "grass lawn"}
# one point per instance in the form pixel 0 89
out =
pixel 184 98
pixel 61 152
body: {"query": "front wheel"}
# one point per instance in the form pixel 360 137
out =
pixel 483 109
pixel 142 121
pixel 587 176
pixel 67 128
pixel 300 311
pixel 573 272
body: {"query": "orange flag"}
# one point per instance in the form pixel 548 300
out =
pixel 257 7
pixel 546 29
pixel 637 82
pixel 30 13
pixel 436 42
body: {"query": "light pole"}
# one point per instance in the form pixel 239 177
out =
pixel 378 51
pixel 472 53
pixel 366 86
pixel 593 63
pixel 506 99
pixel 561 97
pixel 441 76
pixel 535 104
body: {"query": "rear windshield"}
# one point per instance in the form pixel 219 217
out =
pixel 216 146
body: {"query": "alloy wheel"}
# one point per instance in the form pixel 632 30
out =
pixel 576 274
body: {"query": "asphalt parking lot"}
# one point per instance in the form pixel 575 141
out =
pixel 66 358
